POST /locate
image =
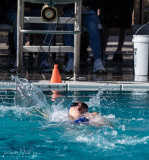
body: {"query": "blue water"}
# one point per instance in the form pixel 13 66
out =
pixel 26 134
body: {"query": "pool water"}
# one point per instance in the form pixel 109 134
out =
pixel 26 134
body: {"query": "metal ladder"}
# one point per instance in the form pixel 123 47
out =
pixel 77 32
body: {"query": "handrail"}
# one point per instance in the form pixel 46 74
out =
pixel 49 32
pixel 56 1
pixel 62 20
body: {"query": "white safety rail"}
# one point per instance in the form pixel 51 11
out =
pixel 62 20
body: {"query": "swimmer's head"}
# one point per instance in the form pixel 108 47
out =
pixel 77 107
pixel 78 103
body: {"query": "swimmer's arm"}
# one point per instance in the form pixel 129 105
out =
pixel 31 114
pixel 90 115
pixel 43 114
pixel 97 119
pixel 94 114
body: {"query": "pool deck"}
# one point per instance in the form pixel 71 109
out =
pixel 119 76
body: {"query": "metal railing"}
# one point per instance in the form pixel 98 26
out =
pixel 77 31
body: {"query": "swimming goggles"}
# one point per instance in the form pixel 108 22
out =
pixel 74 104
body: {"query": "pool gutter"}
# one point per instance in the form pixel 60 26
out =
pixel 81 85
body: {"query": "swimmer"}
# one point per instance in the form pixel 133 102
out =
pixel 78 114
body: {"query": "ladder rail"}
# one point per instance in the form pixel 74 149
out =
pixel 77 31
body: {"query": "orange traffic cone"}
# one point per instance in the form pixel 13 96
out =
pixel 55 95
pixel 56 77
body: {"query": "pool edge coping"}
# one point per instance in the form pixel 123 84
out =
pixel 81 85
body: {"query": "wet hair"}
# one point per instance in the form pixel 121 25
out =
pixel 74 104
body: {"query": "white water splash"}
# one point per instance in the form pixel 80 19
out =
pixel 95 101
pixel 33 102
pixel 129 140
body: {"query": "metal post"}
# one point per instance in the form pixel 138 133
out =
pixel 20 15
pixel 77 37
pixel 141 12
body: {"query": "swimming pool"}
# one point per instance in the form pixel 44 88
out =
pixel 25 134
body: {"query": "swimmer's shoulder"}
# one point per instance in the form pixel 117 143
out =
pixel 93 114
